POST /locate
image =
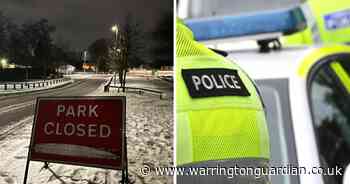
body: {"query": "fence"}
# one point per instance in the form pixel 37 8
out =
pixel 30 84
pixel 108 84
pixel 140 90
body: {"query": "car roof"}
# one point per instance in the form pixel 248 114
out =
pixel 275 64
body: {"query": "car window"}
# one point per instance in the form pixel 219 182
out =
pixel 329 100
pixel 274 93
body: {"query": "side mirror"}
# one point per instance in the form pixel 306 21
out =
pixel 346 177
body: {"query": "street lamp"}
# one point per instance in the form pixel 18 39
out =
pixel 115 29
pixel 3 63
pixel 84 58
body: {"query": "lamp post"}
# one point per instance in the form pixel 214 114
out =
pixel 3 63
pixel 115 30
pixel 84 58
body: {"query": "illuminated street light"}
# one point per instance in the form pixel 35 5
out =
pixel 115 29
pixel 3 63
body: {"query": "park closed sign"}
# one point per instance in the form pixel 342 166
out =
pixel 86 131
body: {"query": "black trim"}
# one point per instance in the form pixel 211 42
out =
pixel 220 52
pixel 310 78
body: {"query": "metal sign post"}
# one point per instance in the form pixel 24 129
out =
pixel 85 131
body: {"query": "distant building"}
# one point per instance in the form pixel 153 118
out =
pixel 89 67
pixel 66 69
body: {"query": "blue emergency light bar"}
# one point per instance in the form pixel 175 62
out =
pixel 286 21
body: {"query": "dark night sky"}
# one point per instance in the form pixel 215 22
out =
pixel 80 22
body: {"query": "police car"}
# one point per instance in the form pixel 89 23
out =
pixel 307 103
pixel 305 90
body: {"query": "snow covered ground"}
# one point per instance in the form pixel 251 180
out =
pixel 149 138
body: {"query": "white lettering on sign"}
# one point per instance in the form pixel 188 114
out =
pixel 196 81
pixel 81 110
pixel 77 111
pixel 206 81
pixel 46 128
pixel 222 81
pixel 80 129
pixel 215 82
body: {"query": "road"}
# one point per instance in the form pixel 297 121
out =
pixel 15 108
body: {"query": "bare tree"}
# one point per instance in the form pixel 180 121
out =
pixel 99 51
pixel 162 39
pixel 5 25
pixel 128 49
pixel 39 43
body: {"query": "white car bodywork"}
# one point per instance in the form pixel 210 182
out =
pixel 285 64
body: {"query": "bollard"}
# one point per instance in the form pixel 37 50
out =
pixel 14 85
pixel 106 88
pixel 5 86
pixel 21 85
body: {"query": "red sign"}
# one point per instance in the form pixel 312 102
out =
pixel 84 131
